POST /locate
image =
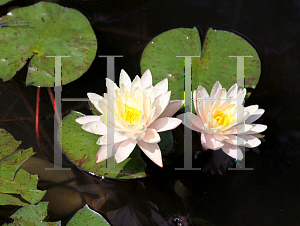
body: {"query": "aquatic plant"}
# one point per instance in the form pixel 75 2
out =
pixel 223 121
pixel 138 112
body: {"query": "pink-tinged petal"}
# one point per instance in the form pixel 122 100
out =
pixel 98 101
pixel 152 151
pixel 215 90
pixel 146 79
pixel 125 79
pixel 87 119
pixel 111 87
pixel 211 142
pixel 220 137
pixel 256 115
pixel 190 118
pixel 257 135
pixel 161 87
pixel 172 108
pixel 188 123
pixel 234 152
pixel 251 141
pixel 116 139
pixel 151 136
pixel 137 137
pixel 235 140
pixel 194 101
pixel 164 124
pixel 103 154
pixel 124 150
pixel 161 104
pixel 257 128
pixel 96 127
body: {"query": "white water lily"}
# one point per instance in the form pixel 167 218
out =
pixel 223 121
pixel 140 111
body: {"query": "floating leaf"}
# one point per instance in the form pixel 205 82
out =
pixel 12 182
pixel 81 148
pixel 214 63
pixel 166 142
pixel 32 215
pixel 46 29
pixel 2 2
pixel 86 216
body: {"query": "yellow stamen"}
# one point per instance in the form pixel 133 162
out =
pixel 223 119
pixel 131 114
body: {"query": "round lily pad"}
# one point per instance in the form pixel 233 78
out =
pixel 81 148
pixel 41 30
pixel 214 64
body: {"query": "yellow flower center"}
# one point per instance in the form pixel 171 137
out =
pixel 131 114
pixel 223 119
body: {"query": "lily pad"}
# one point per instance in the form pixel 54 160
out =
pixel 12 181
pixel 81 148
pixel 214 63
pixel 32 215
pixel 41 30
pixel 86 216
pixel 2 2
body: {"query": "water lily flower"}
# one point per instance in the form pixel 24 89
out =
pixel 139 111
pixel 223 121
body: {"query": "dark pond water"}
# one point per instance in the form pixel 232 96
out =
pixel 267 195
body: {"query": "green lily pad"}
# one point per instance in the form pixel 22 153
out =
pixel 46 29
pixel 166 142
pixel 2 2
pixel 12 181
pixel 81 148
pixel 86 216
pixel 214 63
pixel 32 215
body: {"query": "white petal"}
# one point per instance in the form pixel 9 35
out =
pixel 125 79
pixel 211 142
pixel 164 124
pixel 251 141
pixel 202 93
pixel 161 87
pixel 98 101
pixel 251 109
pixel 257 128
pixel 86 119
pixel 146 79
pixel 234 152
pixel 215 90
pixel 191 124
pixel 111 87
pixel 256 115
pixel 151 136
pixel 220 137
pixel 152 151
pixel 172 108
pixel 117 138
pixel 232 92
pixel 243 128
pixel 124 150
pixel 241 96
pixel 235 140
pixel 136 84
pixel 97 127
